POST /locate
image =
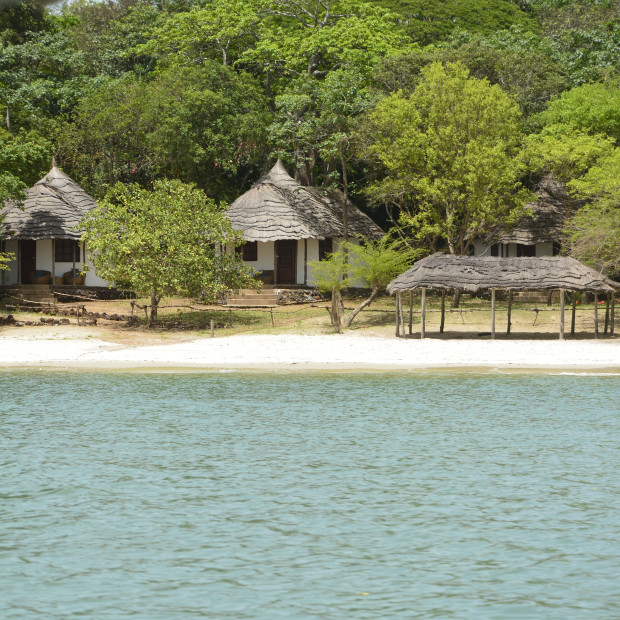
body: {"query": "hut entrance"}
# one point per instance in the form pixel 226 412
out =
pixel 286 263
pixel 28 258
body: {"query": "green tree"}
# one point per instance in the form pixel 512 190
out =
pixel 595 229
pixel 449 155
pixel 591 108
pixel 428 21
pixel 169 241
pixel 199 124
pixel 24 159
pixel 372 264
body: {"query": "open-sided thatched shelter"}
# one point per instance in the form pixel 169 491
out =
pixel 42 233
pixel 277 213
pixel 478 274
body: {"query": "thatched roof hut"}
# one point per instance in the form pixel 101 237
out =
pixel 474 274
pixel 53 209
pixel 277 207
pixel 544 220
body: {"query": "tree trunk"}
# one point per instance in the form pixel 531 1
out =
pixel 456 299
pixel 363 305
pixel 337 310
pixel 155 299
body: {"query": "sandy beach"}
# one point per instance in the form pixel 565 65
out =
pixel 71 349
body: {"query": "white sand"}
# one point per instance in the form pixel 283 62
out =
pixel 18 349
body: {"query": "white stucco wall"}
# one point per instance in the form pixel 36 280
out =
pixel 510 249
pixel 10 275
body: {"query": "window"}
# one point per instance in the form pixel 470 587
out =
pixel 249 250
pixel 495 249
pixel 526 250
pixel 65 249
pixel 326 246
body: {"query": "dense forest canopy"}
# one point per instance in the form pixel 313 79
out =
pixel 211 91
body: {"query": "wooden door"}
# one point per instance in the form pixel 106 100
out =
pixel 286 261
pixel 27 258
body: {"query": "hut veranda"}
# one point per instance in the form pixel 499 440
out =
pixel 487 274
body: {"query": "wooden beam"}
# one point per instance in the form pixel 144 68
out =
pixel 410 312
pixel 509 311
pixel 596 315
pixel 573 314
pixel 443 311
pixel 561 314
pixel 606 314
pixel 397 297
pixel 423 320
pixel 402 320
pixel 613 311
pixel 492 313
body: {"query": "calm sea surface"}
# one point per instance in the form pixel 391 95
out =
pixel 331 496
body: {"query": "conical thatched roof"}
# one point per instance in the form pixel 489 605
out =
pixel 53 208
pixel 277 207
pixel 545 219
pixel 473 274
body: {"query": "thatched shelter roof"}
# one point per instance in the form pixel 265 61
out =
pixel 277 207
pixel 53 208
pixel 473 274
pixel 545 218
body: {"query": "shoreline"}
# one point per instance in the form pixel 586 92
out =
pixel 298 353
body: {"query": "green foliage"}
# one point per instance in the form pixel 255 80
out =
pixel 165 242
pixel 24 159
pixel 449 155
pixel 40 78
pixel 375 263
pixel 330 274
pixel 193 123
pixel 595 229
pixel 565 152
pixel 592 108
pixel 428 21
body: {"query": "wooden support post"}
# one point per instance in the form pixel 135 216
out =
pixel 443 312
pixel 397 296
pixel 573 314
pixel 410 312
pixel 492 313
pixel 561 314
pixel 423 320
pixel 402 319
pixel 606 314
pixel 596 315
pixel 53 262
pixel 272 323
pixel 508 325
pixel 212 326
pixel 613 311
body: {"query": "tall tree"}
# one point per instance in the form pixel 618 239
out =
pixel 169 241
pixel 448 152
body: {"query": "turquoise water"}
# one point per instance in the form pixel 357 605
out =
pixel 331 496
